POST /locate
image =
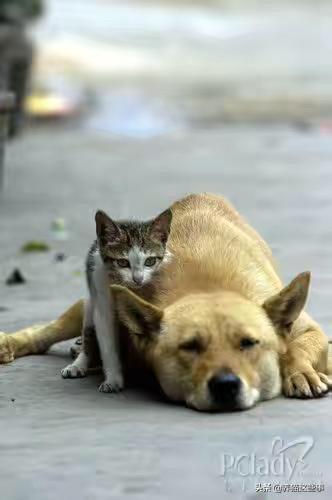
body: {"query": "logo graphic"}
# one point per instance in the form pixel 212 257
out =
pixel 285 460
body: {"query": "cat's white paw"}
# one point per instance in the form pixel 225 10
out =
pixel 73 371
pixel 113 383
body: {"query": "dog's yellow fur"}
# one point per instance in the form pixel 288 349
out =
pixel 219 308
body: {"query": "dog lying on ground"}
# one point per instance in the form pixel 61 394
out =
pixel 220 332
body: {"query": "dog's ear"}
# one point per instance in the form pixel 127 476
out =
pixel 285 307
pixel 140 317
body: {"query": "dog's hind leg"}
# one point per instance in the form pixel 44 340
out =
pixel 38 339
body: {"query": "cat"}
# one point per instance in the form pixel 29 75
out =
pixel 128 253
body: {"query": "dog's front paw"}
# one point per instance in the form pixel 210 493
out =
pixel 112 383
pixel 73 371
pixel 7 354
pixel 305 382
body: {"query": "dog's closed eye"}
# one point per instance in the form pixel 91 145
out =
pixel 192 345
pixel 248 343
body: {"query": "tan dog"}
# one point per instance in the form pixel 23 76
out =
pixel 221 333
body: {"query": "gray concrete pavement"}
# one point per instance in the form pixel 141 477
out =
pixel 62 438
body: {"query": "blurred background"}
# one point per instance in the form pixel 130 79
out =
pixel 127 105
pixel 144 68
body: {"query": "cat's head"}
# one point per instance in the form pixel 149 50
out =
pixel 133 250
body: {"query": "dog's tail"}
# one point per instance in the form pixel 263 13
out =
pixel 38 339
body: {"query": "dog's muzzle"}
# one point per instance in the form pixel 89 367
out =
pixel 225 388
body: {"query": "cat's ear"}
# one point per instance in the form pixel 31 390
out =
pixel 161 226
pixel 286 306
pixel 108 232
pixel 139 316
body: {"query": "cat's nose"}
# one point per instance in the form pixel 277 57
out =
pixel 138 278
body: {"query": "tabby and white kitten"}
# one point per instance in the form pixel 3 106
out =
pixel 127 253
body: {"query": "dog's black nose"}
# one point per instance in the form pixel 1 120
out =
pixel 224 388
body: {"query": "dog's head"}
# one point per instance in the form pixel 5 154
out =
pixel 214 351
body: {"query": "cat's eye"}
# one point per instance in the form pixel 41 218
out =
pixel 248 343
pixel 150 261
pixel 123 262
pixel 192 345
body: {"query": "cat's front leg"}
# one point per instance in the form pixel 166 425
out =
pixel 79 367
pixel 108 345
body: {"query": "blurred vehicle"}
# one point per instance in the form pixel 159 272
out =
pixel 16 52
